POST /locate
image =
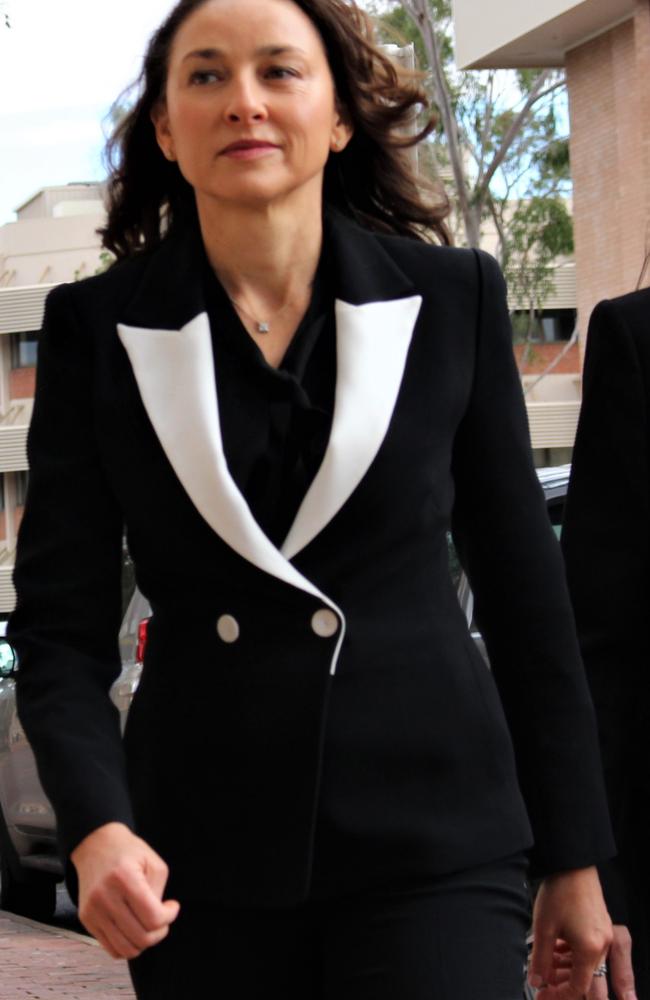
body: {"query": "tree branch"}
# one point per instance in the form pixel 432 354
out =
pixel 487 123
pixel 498 222
pixel 513 131
pixel 573 339
pixel 419 12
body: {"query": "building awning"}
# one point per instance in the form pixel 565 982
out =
pixel 553 424
pixel 14 425
pixel 514 34
pixel 21 308
pixel 562 292
pixel 7 592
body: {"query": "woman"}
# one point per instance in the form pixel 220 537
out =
pixel 605 541
pixel 289 527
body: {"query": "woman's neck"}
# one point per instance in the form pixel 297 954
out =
pixel 265 257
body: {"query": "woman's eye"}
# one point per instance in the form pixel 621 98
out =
pixel 202 76
pixel 281 72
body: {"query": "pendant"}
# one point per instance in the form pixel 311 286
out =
pixel 262 327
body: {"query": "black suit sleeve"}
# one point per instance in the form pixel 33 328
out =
pixel 607 550
pixel 67 575
pixel 522 606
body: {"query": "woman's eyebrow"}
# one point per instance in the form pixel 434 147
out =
pixel 265 50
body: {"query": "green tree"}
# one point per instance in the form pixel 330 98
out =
pixel 499 137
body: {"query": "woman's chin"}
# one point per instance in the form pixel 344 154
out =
pixel 255 195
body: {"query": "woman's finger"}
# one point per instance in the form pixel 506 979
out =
pixel 98 921
pixel 598 989
pixel 103 941
pixel 118 941
pixel 581 979
pixel 541 959
pixel 132 886
pixel 620 964
pixel 118 910
pixel 156 873
pixel 145 902
pixel 108 909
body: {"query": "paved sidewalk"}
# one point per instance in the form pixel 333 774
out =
pixel 38 962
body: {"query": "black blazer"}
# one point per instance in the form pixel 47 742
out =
pixel 606 540
pixel 351 732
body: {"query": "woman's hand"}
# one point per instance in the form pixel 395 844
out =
pixel 620 969
pixel 121 883
pixel 569 908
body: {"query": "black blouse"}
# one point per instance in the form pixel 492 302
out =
pixel 275 421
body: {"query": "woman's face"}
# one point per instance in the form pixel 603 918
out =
pixel 249 112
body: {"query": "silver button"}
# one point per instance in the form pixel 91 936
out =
pixel 325 623
pixel 228 628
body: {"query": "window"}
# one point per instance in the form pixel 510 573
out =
pixel 22 479
pixel 23 350
pixel 548 327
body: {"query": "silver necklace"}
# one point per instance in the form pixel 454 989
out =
pixel 262 326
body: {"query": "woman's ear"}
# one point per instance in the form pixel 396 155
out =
pixel 160 119
pixel 342 132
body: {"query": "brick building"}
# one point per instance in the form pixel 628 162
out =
pixel 605 47
pixel 53 240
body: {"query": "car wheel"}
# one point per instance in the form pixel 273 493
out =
pixel 26 892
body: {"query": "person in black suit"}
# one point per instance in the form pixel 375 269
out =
pixel 287 396
pixel 605 539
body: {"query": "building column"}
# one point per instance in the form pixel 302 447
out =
pixel 609 101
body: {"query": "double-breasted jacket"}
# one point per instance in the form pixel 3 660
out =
pixel 313 714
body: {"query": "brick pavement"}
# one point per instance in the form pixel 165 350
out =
pixel 38 962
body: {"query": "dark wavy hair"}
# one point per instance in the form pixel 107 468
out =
pixel 371 180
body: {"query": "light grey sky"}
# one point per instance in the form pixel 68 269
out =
pixel 62 64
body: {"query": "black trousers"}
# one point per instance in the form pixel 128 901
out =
pixel 457 937
pixel 635 866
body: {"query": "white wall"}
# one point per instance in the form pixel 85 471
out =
pixel 47 250
pixel 529 32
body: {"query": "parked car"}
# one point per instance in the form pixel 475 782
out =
pixel 29 865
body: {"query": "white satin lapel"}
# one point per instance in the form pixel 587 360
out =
pixel 372 342
pixel 174 370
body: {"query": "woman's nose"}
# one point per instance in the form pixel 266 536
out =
pixel 245 102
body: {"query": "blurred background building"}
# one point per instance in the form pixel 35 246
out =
pixel 53 240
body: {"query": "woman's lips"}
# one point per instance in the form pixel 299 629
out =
pixel 248 150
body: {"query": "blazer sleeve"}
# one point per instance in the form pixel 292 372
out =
pixel 68 581
pixel 606 541
pixel 513 561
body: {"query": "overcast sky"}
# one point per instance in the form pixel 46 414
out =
pixel 62 64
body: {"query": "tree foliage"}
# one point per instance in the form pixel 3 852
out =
pixel 499 146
